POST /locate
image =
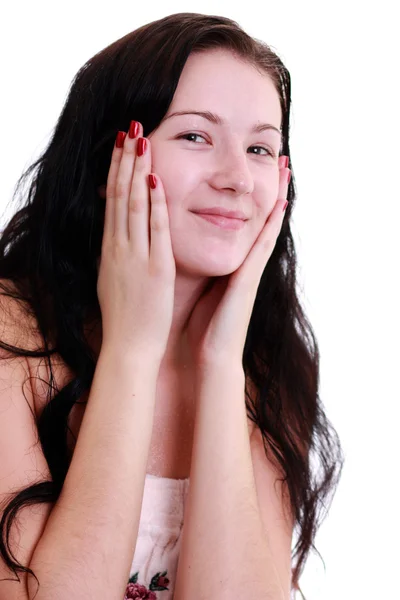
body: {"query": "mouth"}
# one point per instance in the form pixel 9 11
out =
pixel 222 222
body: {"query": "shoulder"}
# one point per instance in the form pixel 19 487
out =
pixel 19 327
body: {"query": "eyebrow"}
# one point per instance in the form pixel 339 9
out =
pixel 217 120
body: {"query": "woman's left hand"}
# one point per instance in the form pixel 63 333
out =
pixel 217 327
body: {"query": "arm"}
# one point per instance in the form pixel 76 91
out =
pixel 224 546
pixel 89 540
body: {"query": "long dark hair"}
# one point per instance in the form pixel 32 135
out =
pixel 49 251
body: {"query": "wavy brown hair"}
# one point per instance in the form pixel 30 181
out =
pixel 49 249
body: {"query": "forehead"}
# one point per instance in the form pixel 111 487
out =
pixel 216 80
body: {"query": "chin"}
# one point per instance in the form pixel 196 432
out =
pixel 207 268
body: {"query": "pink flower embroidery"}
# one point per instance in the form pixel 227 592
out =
pixel 135 591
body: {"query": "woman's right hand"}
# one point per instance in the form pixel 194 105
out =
pixel 136 278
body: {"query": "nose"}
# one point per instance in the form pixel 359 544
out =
pixel 232 172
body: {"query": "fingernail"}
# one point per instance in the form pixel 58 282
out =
pixel 141 149
pixel 152 181
pixel 286 162
pixel 284 206
pixel 289 176
pixel 133 129
pixel 121 135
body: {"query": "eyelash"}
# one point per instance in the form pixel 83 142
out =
pixel 271 153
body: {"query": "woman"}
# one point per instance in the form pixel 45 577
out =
pixel 164 331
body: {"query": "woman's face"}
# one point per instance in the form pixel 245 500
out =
pixel 218 164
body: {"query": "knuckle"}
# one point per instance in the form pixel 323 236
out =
pixel 114 164
pixel 121 189
pixel 137 202
pixel 267 242
pixel 129 148
pixel 119 250
pixel 116 246
pixel 140 165
pixel 158 221
pixel 159 270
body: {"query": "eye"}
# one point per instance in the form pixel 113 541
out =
pixel 270 152
pixel 187 135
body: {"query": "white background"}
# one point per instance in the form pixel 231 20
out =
pixel 344 63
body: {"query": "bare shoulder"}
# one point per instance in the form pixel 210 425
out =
pixel 19 328
pixel 22 460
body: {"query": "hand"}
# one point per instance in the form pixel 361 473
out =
pixel 217 327
pixel 136 280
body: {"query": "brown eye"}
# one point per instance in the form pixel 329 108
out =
pixel 266 149
pixel 187 135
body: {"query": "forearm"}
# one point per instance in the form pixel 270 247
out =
pixel 88 544
pixel 224 547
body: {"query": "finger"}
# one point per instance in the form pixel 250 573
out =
pixel 161 255
pixel 265 243
pixel 266 240
pixel 271 229
pixel 139 203
pixel 110 190
pixel 123 187
pixel 284 178
pixel 270 232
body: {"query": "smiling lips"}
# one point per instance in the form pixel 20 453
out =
pixel 222 222
pixel 217 210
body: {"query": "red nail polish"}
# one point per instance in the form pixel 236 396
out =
pixel 141 148
pixel 289 176
pixel 152 181
pixel 286 162
pixel 121 135
pixel 284 206
pixel 133 129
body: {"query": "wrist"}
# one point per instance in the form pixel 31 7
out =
pixel 122 357
pixel 220 367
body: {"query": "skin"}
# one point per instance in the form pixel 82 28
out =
pixel 223 165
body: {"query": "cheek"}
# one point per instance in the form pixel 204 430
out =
pixel 263 205
pixel 178 179
pixel 179 188
pixel 177 194
pixel 266 195
pixel 262 208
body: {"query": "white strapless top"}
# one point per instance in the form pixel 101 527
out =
pixel 155 562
